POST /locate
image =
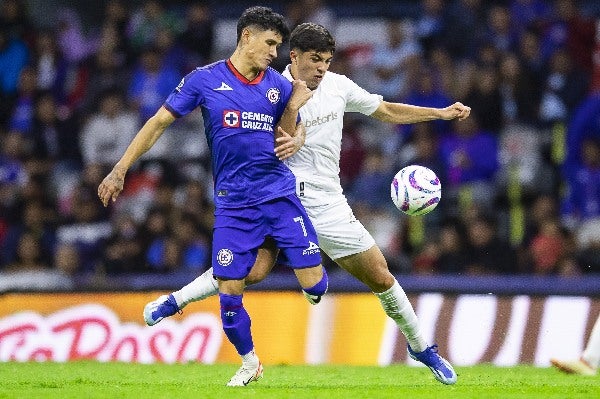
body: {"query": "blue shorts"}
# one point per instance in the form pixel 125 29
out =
pixel 238 233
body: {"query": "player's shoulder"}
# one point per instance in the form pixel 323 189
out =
pixel 334 77
pixel 338 81
pixel 209 68
pixel 275 75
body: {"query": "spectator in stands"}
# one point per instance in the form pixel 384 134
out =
pixel 453 256
pixel 352 152
pixel 195 246
pixel 28 256
pixel 51 66
pixel 529 14
pixel 72 41
pixel 147 20
pixel 172 52
pixel 107 73
pixel 55 139
pixel 23 110
pixel 14 55
pixel 100 143
pixel 86 228
pixel 488 253
pixel 464 25
pixel 568 28
pixel 372 185
pixel 500 31
pixel 318 12
pixel 427 91
pixel 198 35
pixel 430 25
pixel 13 174
pixel 486 94
pixel 470 156
pixel 395 61
pixel 583 125
pixel 123 252
pixel 151 83
pixel 35 222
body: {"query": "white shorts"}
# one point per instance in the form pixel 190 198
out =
pixel 340 234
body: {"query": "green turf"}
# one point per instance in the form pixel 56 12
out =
pixel 89 380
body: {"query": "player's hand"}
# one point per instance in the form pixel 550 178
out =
pixel 112 185
pixel 300 94
pixel 456 111
pixel 286 145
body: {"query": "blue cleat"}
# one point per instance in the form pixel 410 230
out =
pixel 440 367
pixel 160 308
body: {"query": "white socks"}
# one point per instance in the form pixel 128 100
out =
pixel 397 306
pixel 591 354
pixel 202 287
pixel 250 359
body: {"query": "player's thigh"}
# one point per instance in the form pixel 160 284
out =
pixel 370 267
pixel 340 234
pixel 265 260
pixel 293 233
pixel 236 240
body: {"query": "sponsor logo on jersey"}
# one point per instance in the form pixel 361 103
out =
pixel 231 118
pixel 224 257
pixel 180 85
pixel 312 249
pixel 273 95
pixel 224 86
pixel 257 121
pixel 321 119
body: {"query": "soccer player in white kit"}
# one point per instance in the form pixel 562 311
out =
pixel 316 167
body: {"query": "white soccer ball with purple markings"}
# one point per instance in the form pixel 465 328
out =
pixel 416 190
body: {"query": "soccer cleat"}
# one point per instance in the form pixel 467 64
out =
pixel 313 299
pixel 163 306
pixel 580 366
pixel 440 367
pixel 245 375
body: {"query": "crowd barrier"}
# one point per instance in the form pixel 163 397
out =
pixel 345 328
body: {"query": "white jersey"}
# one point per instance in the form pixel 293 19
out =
pixel 318 161
pixel 317 164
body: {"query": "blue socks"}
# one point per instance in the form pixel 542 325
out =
pixel 236 323
pixel 320 288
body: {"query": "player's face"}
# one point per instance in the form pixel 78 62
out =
pixel 262 47
pixel 310 66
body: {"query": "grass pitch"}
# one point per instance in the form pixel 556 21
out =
pixel 120 380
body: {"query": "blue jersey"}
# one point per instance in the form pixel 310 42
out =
pixel 239 119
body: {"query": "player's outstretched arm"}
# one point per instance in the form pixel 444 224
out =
pixel 400 113
pixel 112 185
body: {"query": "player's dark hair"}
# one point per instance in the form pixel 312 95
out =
pixel 312 37
pixel 265 19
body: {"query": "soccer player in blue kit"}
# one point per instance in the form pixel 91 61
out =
pixel 244 104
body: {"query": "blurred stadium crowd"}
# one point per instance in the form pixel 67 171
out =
pixel 521 177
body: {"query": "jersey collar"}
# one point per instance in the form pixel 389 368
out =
pixel 242 78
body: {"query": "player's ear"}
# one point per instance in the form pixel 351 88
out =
pixel 246 34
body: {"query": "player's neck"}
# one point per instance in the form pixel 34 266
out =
pixel 241 64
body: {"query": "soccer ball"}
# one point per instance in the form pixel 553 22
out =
pixel 416 190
